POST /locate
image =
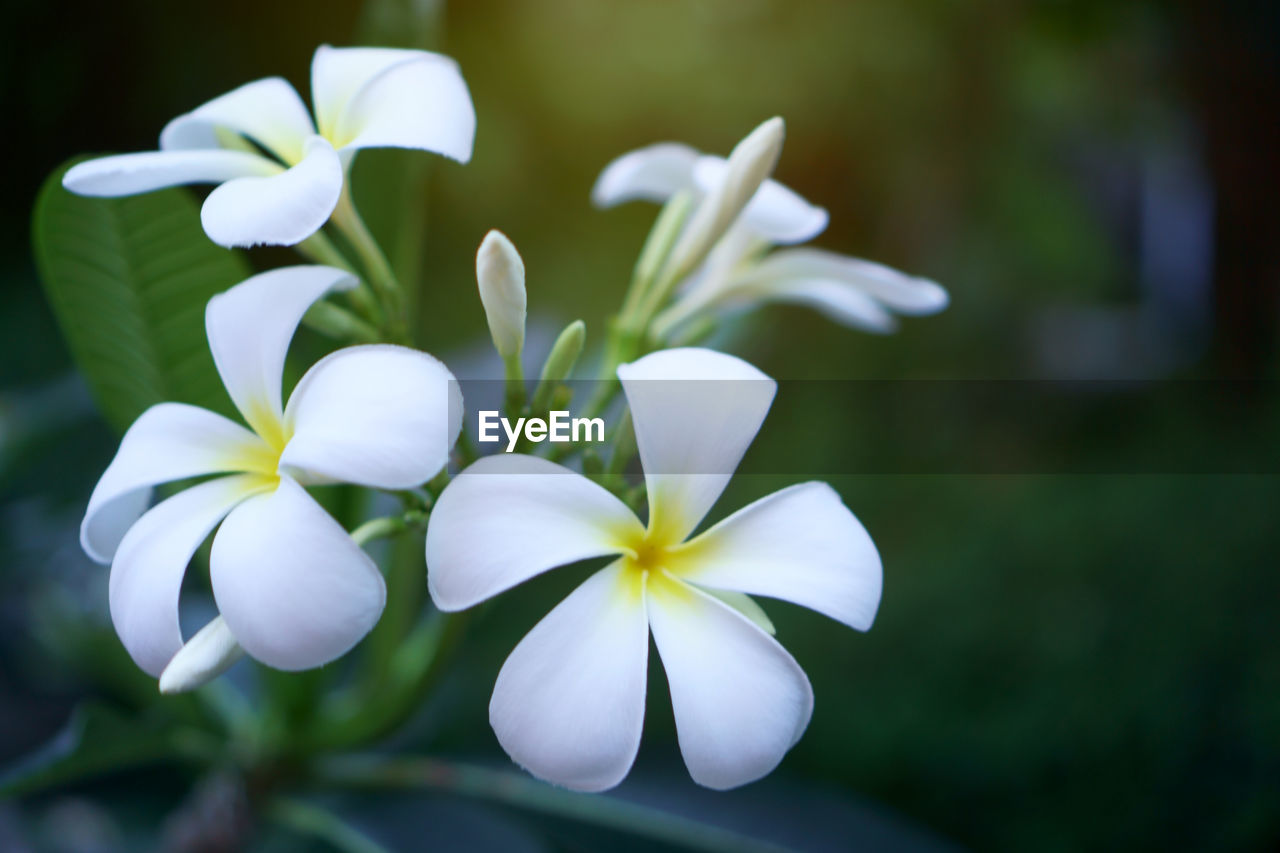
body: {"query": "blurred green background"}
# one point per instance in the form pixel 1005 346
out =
pixel 1060 662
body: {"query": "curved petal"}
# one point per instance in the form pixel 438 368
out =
pixel 267 111
pixel 695 413
pixel 420 102
pixel 903 293
pixel 775 212
pixel 295 589
pixel 280 210
pixel 837 300
pixel 653 173
pixel 800 544
pixel 568 705
pixel 146 575
pixel 740 700
pixel 169 441
pixel 337 73
pixel 380 415
pixel 510 517
pixel 249 329
pixel 129 174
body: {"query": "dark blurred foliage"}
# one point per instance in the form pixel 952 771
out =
pixel 1060 662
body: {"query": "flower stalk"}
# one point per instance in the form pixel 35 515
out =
pixel 377 268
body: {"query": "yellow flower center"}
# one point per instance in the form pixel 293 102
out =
pixel 262 456
pixel 647 565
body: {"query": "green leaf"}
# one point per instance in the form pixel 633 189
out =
pixel 128 279
pixel 98 740
pixel 611 821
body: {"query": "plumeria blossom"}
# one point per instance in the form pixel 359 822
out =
pixel 568 704
pixel 293 589
pixel 741 271
pixel 280 174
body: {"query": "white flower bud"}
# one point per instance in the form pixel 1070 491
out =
pixel 750 164
pixel 500 275
pixel 203 658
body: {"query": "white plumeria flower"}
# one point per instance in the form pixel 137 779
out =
pixel 280 173
pixel 294 590
pixel 568 704
pixel 739 274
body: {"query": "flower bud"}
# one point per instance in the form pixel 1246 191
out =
pixel 203 658
pixel 559 364
pixel 500 275
pixel 750 164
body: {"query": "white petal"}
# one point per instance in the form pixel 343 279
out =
pixel 382 416
pixel 280 210
pixel 201 659
pixel 740 700
pixel 420 102
pixel 710 284
pixel 128 174
pixel 746 605
pixel 903 293
pixel 653 173
pixel 146 575
pixel 509 517
pixel 695 413
pixel 169 441
pixel 295 589
pixel 337 73
pixel 267 111
pixel 250 327
pixel 838 300
pixel 568 705
pixel 800 544
pixel 775 212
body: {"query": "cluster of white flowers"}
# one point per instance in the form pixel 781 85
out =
pixel 295 591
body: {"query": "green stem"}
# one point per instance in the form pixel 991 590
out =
pixel 336 322
pixel 351 719
pixel 627 331
pixel 657 246
pixel 319 248
pixel 376 267
pixel 320 824
pixel 515 790
pixel 514 374
pixel 382 528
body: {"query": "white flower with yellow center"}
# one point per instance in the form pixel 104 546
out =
pixel 741 272
pixel 280 173
pixel 568 704
pixel 293 589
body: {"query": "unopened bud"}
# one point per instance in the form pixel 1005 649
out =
pixel 204 657
pixel 749 165
pixel 559 364
pixel 500 275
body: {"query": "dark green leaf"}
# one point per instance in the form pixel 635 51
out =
pixel 128 280
pixel 613 823
pixel 98 740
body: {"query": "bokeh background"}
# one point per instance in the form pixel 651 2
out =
pixel 1062 661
